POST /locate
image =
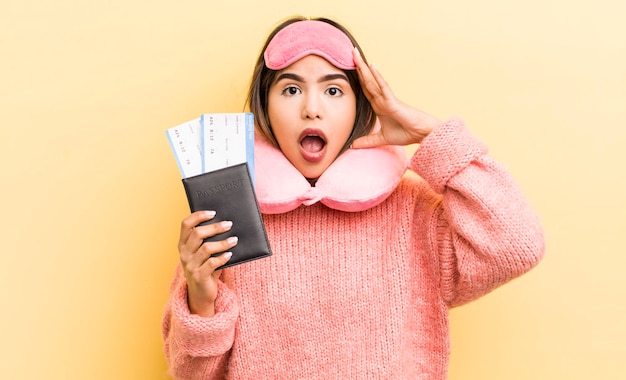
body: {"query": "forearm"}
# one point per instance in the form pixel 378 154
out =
pixel 486 232
pixel 193 341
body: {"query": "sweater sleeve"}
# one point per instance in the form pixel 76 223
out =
pixel 483 233
pixel 198 347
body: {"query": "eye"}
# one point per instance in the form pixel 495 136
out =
pixel 291 90
pixel 334 91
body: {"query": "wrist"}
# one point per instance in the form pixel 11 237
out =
pixel 426 124
pixel 199 305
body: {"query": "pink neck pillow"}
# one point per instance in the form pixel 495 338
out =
pixel 358 179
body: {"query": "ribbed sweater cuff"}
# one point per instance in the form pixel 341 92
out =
pixel 445 152
pixel 200 336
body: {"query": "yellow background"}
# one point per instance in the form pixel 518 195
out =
pixel 91 196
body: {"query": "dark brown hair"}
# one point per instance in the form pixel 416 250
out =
pixel 262 79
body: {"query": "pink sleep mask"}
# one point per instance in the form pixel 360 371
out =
pixel 307 37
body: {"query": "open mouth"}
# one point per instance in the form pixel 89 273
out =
pixel 313 143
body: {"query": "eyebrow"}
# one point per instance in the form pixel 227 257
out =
pixel 324 78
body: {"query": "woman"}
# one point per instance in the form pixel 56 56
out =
pixel 366 261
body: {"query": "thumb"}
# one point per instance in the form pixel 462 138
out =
pixel 369 141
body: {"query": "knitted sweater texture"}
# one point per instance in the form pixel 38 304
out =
pixel 364 295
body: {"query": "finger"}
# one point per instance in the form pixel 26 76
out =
pixel 370 87
pixel 209 255
pixel 199 234
pixel 369 141
pixel 373 83
pixel 358 60
pixel 384 87
pixel 368 82
pixel 202 259
pixel 217 273
pixel 188 224
pixel 215 262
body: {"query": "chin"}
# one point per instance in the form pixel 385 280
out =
pixel 312 173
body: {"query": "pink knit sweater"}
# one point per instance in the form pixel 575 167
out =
pixel 364 295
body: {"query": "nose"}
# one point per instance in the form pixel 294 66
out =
pixel 312 107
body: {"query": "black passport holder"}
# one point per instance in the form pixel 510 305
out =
pixel 229 192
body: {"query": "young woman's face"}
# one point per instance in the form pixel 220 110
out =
pixel 311 109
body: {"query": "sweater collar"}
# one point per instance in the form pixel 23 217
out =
pixel 359 179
